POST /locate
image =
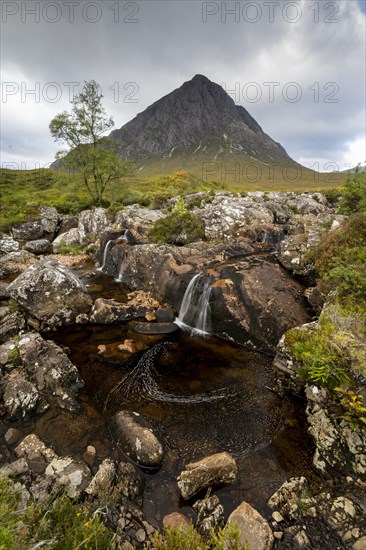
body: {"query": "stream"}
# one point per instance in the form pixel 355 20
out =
pixel 201 395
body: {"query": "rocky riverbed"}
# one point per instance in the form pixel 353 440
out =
pixel 99 390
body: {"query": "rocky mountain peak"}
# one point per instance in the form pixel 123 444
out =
pixel 195 123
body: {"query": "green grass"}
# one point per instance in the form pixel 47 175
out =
pixel 21 191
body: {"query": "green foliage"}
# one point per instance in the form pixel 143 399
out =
pixel 354 195
pixel 179 227
pixel 340 260
pixel 180 539
pixel 92 155
pixel 13 357
pixel 71 249
pixel 323 362
pixel 57 520
pixel 354 410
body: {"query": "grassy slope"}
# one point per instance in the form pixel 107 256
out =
pixel 20 191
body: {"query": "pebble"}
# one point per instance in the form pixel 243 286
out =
pixel 277 517
pixel 140 535
pixel 89 455
pixel 278 535
pixel 12 436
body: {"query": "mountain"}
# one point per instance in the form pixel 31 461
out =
pixel 195 124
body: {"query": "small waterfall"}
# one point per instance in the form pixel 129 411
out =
pixel 105 254
pixel 195 311
pixel 123 237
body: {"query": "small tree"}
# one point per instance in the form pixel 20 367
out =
pixel 89 153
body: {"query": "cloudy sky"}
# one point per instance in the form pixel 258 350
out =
pixel 297 66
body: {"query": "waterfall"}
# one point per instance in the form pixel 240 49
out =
pixel 105 253
pixel 123 237
pixel 195 311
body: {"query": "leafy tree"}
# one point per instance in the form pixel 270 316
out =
pixel 89 153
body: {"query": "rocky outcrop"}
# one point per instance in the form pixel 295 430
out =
pixel 36 374
pixel 211 471
pixel 43 227
pixel 11 322
pixel 136 439
pixel 8 245
pixel 51 293
pixel 140 304
pixel 343 517
pixel 338 447
pixel 254 530
pixel 137 218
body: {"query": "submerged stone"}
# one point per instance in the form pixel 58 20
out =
pixel 155 328
pixel 135 437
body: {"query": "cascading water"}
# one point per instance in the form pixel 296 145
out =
pixel 123 237
pixel 195 311
pixel 105 254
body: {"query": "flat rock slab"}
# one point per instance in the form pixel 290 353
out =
pixel 136 438
pixel 155 328
pixel 214 470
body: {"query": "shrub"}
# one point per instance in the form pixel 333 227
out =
pixel 354 196
pixel 179 539
pixel 180 227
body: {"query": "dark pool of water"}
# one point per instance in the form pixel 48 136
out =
pixel 212 396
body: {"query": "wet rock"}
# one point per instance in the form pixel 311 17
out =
pixel 16 262
pixel 213 470
pixel 258 303
pixel 136 439
pixel 12 435
pixel 138 218
pixel 8 245
pixel 165 314
pixel 34 450
pixel 20 398
pixel 155 328
pixel 106 311
pixel 103 479
pixel 210 515
pixel 40 246
pixel 176 521
pixel 130 483
pixel 69 474
pixel 253 528
pixel 51 293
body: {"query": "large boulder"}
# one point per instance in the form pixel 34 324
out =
pixel 214 470
pixel 16 262
pixel 51 293
pixel 138 218
pixel 43 227
pixel 92 223
pixel 136 439
pixel 37 247
pixel 254 530
pixel 46 370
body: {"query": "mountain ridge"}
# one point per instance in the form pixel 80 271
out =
pixel 196 122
